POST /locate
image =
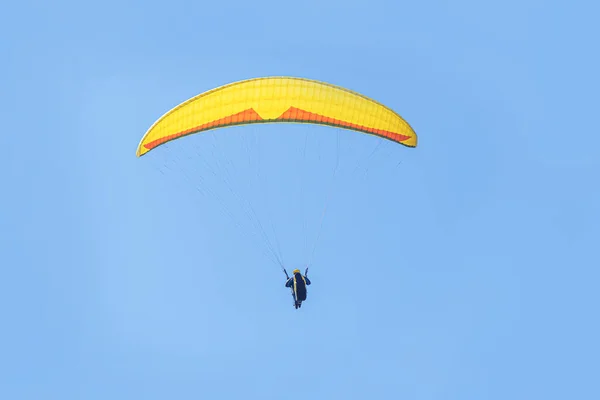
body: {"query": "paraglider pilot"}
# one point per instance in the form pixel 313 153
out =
pixel 298 283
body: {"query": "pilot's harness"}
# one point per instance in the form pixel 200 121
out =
pixel 292 287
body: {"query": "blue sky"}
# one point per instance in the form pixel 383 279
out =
pixel 463 269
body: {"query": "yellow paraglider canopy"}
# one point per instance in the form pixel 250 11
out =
pixel 278 100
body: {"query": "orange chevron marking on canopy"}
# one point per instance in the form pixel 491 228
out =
pixel 296 114
pixel 245 116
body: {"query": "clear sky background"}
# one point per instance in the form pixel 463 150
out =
pixel 466 268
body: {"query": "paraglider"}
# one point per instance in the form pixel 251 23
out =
pixel 279 99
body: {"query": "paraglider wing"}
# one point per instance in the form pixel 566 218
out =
pixel 278 100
